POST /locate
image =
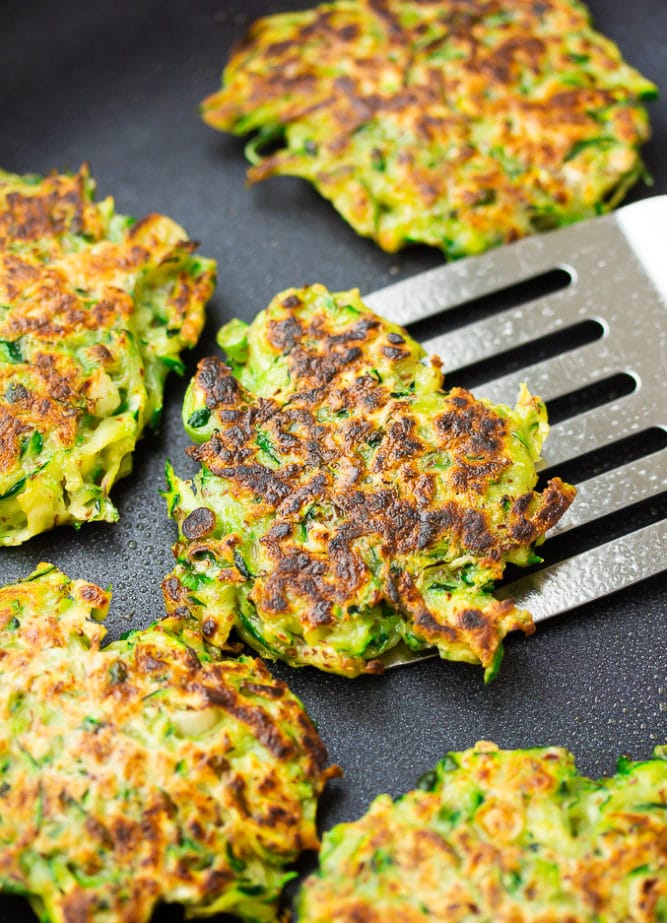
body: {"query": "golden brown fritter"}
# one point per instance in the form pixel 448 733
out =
pixel 144 771
pixel 457 123
pixel 346 502
pixel 94 311
pixel 502 836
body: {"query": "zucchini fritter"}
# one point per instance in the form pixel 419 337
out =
pixel 461 124
pixel 145 771
pixel 94 311
pixel 346 502
pixel 502 836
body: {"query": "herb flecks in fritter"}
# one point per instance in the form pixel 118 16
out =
pixel 94 312
pixel 145 771
pixel 461 125
pixel 500 835
pixel 345 501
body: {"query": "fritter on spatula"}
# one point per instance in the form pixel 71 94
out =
pixel 346 502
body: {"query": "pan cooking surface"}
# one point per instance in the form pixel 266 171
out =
pixel 119 85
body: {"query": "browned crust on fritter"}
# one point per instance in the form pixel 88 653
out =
pixel 41 279
pixel 461 124
pixel 389 503
pixel 158 772
pixel 57 206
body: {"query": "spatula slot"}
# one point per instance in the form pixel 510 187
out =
pixel 596 532
pixel 608 457
pixel 578 314
pixel 592 574
pixel 538 350
pixel 469 311
pixel 593 395
pixel 609 492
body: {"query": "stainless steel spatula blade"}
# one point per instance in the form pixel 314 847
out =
pixel 615 288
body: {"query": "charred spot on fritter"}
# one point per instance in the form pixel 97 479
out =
pixel 347 502
pixel 95 311
pixel 145 771
pixel 461 127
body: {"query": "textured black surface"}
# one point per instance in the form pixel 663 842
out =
pixel 118 84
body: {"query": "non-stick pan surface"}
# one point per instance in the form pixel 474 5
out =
pixel 118 84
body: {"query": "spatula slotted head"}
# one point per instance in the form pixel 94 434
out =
pixel 579 314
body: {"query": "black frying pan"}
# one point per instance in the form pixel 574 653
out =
pixel 118 84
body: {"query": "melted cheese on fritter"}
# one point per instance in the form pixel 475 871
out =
pixel 346 502
pixel 457 123
pixel 503 836
pixel 94 311
pixel 145 771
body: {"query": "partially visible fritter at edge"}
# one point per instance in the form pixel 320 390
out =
pixel 461 124
pixel 95 310
pixel 346 502
pixel 493 836
pixel 146 771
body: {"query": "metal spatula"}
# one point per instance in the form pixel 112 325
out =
pixel 611 276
